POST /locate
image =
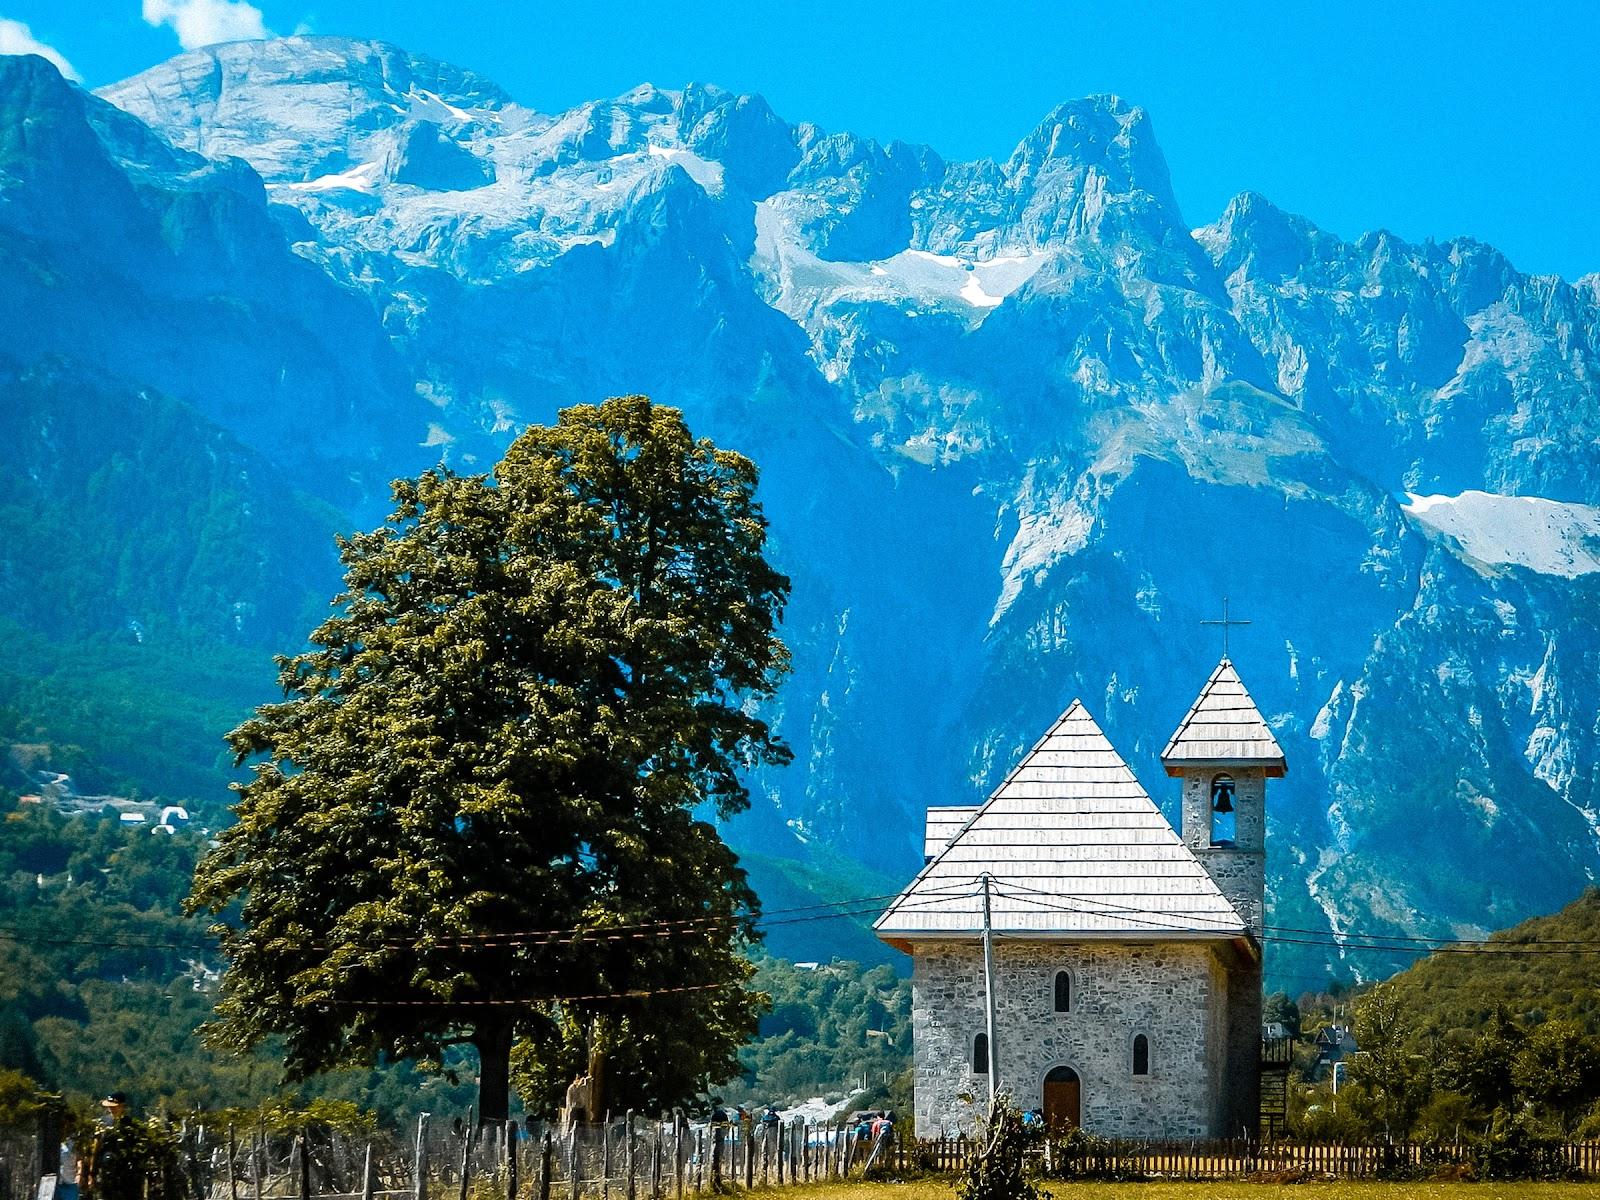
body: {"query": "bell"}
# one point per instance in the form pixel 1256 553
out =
pixel 1224 800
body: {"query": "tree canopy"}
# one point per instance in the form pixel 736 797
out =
pixel 503 743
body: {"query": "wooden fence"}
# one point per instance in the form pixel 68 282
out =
pixel 1097 1158
pixel 669 1159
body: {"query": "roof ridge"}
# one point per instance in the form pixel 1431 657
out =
pixel 1010 775
pixel 1189 897
pixel 1236 733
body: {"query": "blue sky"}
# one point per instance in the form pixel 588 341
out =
pixel 1431 120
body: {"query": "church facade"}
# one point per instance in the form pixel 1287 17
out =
pixel 1126 956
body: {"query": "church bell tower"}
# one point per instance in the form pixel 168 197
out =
pixel 1224 752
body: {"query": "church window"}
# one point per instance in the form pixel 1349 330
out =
pixel 1223 826
pixel 980 1054
pixel 1141 1055
pixel 1063 991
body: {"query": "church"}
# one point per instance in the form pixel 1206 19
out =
pixel 1126 958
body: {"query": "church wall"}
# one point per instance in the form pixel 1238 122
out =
pixel 1172 992
pixel 1242 1083
pixel 1238 871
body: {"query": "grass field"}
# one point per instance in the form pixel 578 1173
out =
pixel 942 1190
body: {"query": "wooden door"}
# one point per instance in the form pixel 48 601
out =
pixel 1062 1099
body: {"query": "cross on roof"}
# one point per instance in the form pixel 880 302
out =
pixel 1226 623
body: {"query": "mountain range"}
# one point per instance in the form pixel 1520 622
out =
pixel 1021 426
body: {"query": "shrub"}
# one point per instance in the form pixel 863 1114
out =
pixel 995 1171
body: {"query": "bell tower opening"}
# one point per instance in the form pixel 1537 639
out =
pixel 1224 823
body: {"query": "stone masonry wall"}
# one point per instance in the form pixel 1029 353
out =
pixel 1175 993
pixel 1239 871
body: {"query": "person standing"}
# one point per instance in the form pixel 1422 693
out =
pixel 115 1168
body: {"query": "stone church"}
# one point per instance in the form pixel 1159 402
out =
pixel 1127 959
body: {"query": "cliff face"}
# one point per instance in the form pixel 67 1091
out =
pixel 1021 426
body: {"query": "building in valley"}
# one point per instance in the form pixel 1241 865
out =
pixel 1127 957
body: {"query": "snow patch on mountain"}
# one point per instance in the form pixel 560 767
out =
pixel 703 171
pixel 1540 535
pixel 363 178
pixel 803 283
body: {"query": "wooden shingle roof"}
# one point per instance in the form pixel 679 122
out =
pixel 943 823
pixel 1223 727
pixel 1075 848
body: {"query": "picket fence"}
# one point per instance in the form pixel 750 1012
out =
pixel 670 1159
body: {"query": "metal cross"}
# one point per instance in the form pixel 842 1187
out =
pixel 1226 622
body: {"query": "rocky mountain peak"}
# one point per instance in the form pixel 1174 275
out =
pixel 301 107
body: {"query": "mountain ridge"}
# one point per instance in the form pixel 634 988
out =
pixel 1021 425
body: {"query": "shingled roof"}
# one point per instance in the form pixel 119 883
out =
pixel 943 823
pixel 1224 727
pixel 1075 848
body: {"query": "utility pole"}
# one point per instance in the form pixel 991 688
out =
pixel 988 993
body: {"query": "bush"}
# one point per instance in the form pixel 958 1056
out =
pixel 1519 1147
pixel 995 1171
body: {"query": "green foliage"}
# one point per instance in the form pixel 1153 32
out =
pixel 23 1102
pixel 530 685
pixel 1394 1076
pixel 1455 992
pixel 1517 1146
pixel 995 1171
pixel 828 1028
pixel 1279 1007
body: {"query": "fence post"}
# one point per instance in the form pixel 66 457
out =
pixel 511 1160
pixel 366 1175
pixel 305 1166
pixel 677 1152
pixel 572 1161
pixel 256 1152
pixel 627 1153
pixel 466 1156
pixel 747 1135
pixel 233 1158
pixel 419 1161
pixel 605 1156
pixel 655 1160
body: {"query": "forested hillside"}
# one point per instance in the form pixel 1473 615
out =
pixel 103 985
pixel 1544 969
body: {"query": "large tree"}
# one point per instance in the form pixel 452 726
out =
pixel 533 691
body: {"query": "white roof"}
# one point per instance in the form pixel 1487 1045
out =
pixel 1075 848
pixel 943 823
pixel 1223 726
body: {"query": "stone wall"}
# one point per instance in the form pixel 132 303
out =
pixel 1175 993
pixel 1239 871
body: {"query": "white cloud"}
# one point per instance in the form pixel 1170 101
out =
pixel 17 38
pixel 206 22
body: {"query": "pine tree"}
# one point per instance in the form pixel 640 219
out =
pixel 532 688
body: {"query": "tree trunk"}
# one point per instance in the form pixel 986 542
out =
pixel 600 1033
pixel 492 1039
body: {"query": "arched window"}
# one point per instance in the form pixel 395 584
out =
pixel 980 1054
pixel 1223 827
pixel 1063 991
pixel 1141 1055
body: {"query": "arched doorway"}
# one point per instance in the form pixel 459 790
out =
pixel 1063 1099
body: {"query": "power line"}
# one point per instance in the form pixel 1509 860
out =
pixel 836 910
pixel 528 1001
pixel 1151 920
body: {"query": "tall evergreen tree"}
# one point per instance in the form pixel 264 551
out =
pixel 532 691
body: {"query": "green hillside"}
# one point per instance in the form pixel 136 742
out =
pixel 1545 969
